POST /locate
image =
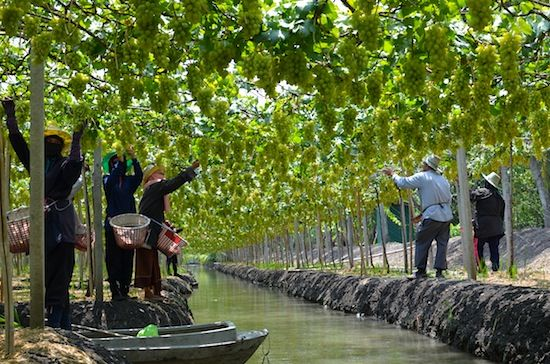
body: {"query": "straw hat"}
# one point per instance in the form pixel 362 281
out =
pixel 107 160
pixel 432 161
pixel 53 130
pixel 149 171
pixel 492 178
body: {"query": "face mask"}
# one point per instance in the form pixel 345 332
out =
pixel 52 150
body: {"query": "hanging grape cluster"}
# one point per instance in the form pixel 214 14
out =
pixel 367 26
pixel 41 45
pixel 194 10
pixel 259 67
pixel 78 83
pixel 414 75
pixel 484 72
pixel 375 83
pixel 250 18
pixel 509 47
pixel 11 17
pixel 354 56
pixel 480 13
pixel 460 88
pixel 438 54
pixel 324 83
pixel 148 19
pixel 293 67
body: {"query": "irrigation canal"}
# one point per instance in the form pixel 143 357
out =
pixel 304 332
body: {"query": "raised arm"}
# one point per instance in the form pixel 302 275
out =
pixel 16 138
pixel 412 182
pixel 73 165
pixel 170 185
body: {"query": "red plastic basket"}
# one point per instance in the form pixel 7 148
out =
pixel 130 230
pixel 19 230
pixel 169 242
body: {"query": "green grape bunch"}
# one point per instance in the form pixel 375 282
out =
pixel 12 17
pixel 437 46
pixel 367 26
pixel 375 83
pixel 480 13
pixel 325 82
pixel 250 18
pixel 41 45
pixel 509 47
pixel 78 83
pixel 460 88
pixel 484 72
pixel 349 120
pixel 148 14
pixel 414 75
pixel 194 10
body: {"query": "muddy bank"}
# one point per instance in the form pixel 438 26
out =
pixel 500 323
pixel 173 310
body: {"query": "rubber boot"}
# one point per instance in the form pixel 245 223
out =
pixel 54 316
pixel 66 318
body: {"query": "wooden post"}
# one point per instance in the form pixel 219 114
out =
pixel 318 237
pixel 384 234
pixel 411 217
pixel 465 214
pixel 91 248
pixel 508 224
pixel 36 241
pixel 366 237
pixel 403 231
pixel 97 185
pixel 349 233
pixel 6 257
pixel 297 245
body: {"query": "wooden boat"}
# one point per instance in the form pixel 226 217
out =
pixel 217 342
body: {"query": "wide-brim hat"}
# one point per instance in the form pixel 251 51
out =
pixel 107 160
pixel 432 161
pixel 492 178
pixel 55 131
pixel 150 170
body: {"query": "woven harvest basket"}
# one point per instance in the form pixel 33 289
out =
pixel 19 230
pixel 170 243
pixel 130 230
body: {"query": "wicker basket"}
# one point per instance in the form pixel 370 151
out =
pixel 19 230
pixel 130 230
pixel 169 242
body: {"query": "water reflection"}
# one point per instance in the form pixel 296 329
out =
pixel 305 332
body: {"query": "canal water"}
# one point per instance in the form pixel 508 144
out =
pixel 301 332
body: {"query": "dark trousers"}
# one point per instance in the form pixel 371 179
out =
pixel 120 263
pixel 172 261
pixel 58 273
pixel 429 231
pixel 493 242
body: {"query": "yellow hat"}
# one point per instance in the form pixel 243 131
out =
pixel 149 171
pixel 54 130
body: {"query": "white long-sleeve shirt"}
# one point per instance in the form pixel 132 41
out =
pixel 434 191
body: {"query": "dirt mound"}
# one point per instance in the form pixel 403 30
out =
pixel 56 346
pixel 60 346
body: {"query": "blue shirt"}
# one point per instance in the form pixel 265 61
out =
pixel 434 191
pixel 120 189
